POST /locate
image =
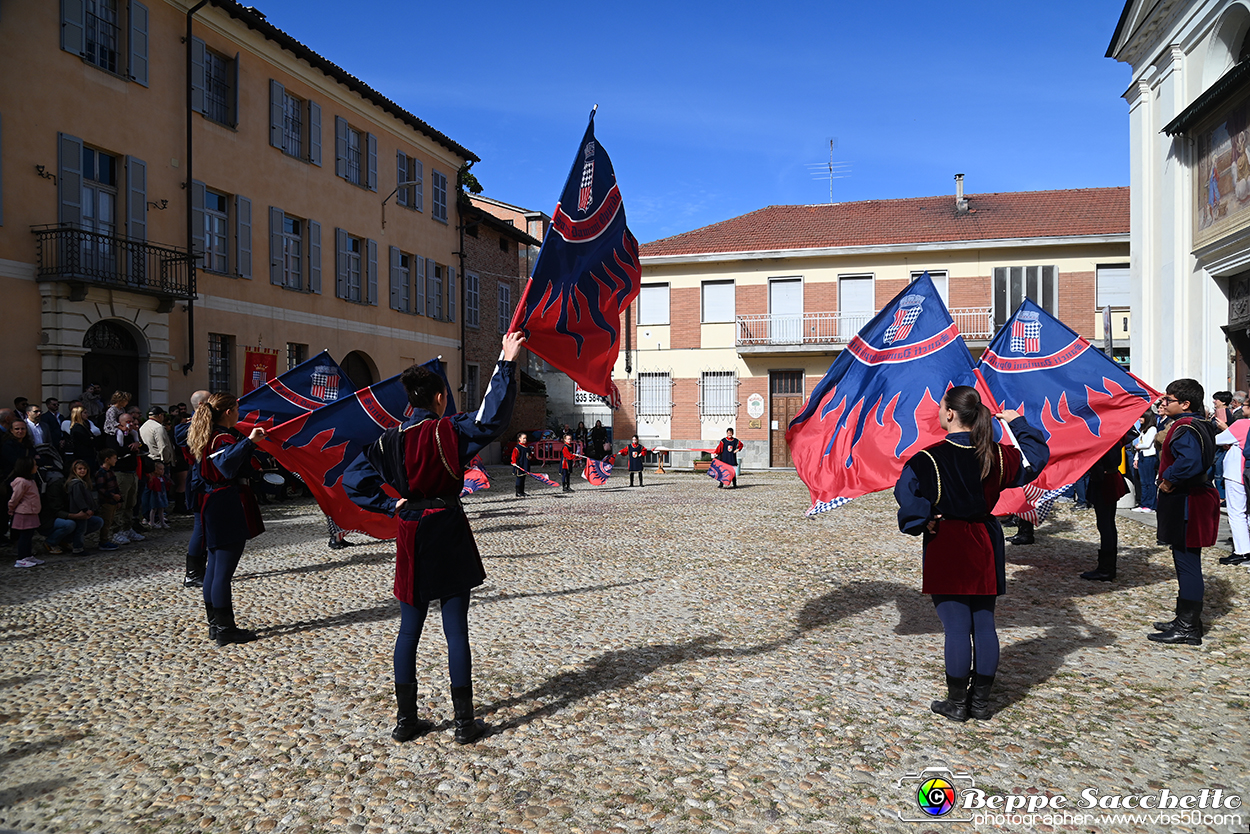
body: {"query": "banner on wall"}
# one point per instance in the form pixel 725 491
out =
pixel 260 365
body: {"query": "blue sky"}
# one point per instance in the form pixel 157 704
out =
pixel 710 111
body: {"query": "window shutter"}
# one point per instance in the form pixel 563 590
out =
pixel 136 198
pixel 314 133
pixel 373 273
pixel 234 91
pixel 396 296
pixel 276 218
pixel 419 300
pixel 197 75
pixel 401 175
pixel 314 256
pixel 340 263
pixel 451 293
pixel 372 142
pixel 243 236
pixel 276 92
pixel 139 43
pixel 340 147
pixel 198 242
pixel 72 25
pixel 418 190
pixel 69 180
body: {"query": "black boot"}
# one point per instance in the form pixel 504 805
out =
pixel 468 728
pixel 192 580
pixel 955 707
pixel 1170 624
pixel 210 614
pixel 407 725
pixel 979 697
pixel 1187 628
pixel 1105 572
pixel 228 632
pixel 1024 533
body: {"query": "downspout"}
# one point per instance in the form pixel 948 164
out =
pixel 186 369
pixel 464 356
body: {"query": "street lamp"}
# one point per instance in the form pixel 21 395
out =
pixel 392 194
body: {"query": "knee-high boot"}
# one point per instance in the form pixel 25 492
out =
pixel 210 614
pixel 955 707
pixel 407 725
pixel 979 697
pixel 468 728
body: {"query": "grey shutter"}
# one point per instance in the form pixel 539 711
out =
pixel 139 42
pixel 418 190
pixel 276 92
pixel 340 263
pixel 72 25
pixel 243 236
pixel 314 256
pixel 276 218
pixel 314 133
pixel 340 147
pixel 69 178
pixel 372 142
pixel 234 91
pixel 451 293
pixel 401 175
pixel 197 220
pixel 197 75
pixel 136 198
pixel 373 273
pixel 397 296
pixel 419 294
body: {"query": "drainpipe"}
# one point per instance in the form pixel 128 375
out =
pixel 186 369
pixel 464 354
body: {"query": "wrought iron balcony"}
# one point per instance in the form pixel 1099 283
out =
pixel 84 258
pixel 761 333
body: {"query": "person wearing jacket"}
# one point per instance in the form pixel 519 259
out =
pixel 82 505
pixel 24 506
pixel 436 556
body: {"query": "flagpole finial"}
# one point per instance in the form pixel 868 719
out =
pixel 592 112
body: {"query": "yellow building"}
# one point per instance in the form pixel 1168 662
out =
pixel 126 144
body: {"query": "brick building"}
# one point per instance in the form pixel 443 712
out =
pixel 737 321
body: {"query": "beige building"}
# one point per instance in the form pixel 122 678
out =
pixel 131 145
pixel 736 322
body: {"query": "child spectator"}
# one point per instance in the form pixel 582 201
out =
pixel 566 462
pixel 24 506
pixel 110 496
pixel 521 462
pixel 54 521
pixel 84 508
pixel 156 496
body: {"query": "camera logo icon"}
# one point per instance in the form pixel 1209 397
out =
pixel 933 795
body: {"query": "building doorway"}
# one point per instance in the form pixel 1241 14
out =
pixel 785 390
pixel 359 369
pixel 113 360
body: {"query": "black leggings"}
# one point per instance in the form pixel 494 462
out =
pixel 963 615
pixel 1108 536
pixel 631 477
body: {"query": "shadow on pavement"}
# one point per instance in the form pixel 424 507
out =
pixel 362 559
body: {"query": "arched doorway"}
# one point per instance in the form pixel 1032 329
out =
pixel 359 369
pixel 113 360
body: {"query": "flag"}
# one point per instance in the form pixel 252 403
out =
pixel 877 405
pixel 475 477
pixel 597 471
pixel 541 477
pixel 260 365
pixel 722 472
pixel 319 445
pixel 1081 400
pixel 291 394
pixel 587 273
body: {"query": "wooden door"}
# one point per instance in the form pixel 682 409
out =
pixel 785 403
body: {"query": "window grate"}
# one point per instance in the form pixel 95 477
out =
pixel 653 394
pixel 218 362
pixel 292 125
pixel 216 88
pixel 718 394
pixel 295 354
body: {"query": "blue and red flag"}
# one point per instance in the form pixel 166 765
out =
pixel 587 273
pixel 475 477
pixel 877 405
pixel 541 477
pixel 597 471
pixel 307 386
pixel 319 445
pixel 1080 399
pixel 722 472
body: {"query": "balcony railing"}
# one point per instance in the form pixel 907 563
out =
pixel 839 327
pixel 75 255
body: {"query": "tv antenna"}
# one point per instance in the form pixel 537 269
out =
pixel 830 170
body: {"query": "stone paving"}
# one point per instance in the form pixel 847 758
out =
pixel 673 658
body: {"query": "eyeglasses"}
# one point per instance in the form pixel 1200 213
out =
pixel 1168 400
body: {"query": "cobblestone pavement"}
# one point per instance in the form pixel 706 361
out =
pixel 673 658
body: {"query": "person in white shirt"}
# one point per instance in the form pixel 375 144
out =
pixel 1235 490
pixel 33 412
pixel 1147 462
pixel 153 433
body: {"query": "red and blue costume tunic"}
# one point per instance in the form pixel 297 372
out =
pixel 231 515
pixel 965 555
pixel 727 450
pixel 566 458
pixel 636 453
pixel 1189 515
pixel 423 461
pixel 521 458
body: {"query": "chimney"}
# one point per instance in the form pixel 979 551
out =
pixel 961 205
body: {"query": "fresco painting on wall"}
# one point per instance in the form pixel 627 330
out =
pixel 1222 176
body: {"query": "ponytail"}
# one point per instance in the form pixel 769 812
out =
pixel 972 413
pixel 206 415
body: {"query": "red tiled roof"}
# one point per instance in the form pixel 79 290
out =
pixel 1017 214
